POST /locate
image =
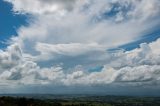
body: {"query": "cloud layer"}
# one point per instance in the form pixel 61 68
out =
pixel 136 67
pixel 68 38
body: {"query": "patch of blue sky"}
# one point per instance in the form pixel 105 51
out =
pixel 9 22
pixel 96 69
pixel 117 8
pixel 111 14
pixel 144 39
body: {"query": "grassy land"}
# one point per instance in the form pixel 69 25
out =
pixel 81 101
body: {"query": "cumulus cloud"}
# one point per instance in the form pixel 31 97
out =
pixel 17 69
pixel 66 34
pixel 10 58
pixel 137 67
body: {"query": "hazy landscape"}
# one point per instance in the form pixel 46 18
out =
pixel 76 100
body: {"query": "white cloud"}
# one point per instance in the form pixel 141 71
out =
pixel 10 58
pixel 49 51
pixel 137 67
pixel 41 6
pixel 80 25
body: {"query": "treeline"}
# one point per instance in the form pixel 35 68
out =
pixel 11 101
pixel 22 101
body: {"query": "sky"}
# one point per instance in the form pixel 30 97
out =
pixel 10 22
pixel 80 47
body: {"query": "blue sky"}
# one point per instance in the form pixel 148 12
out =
pixel 10 22
pixel 150 37
pixel 90 44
